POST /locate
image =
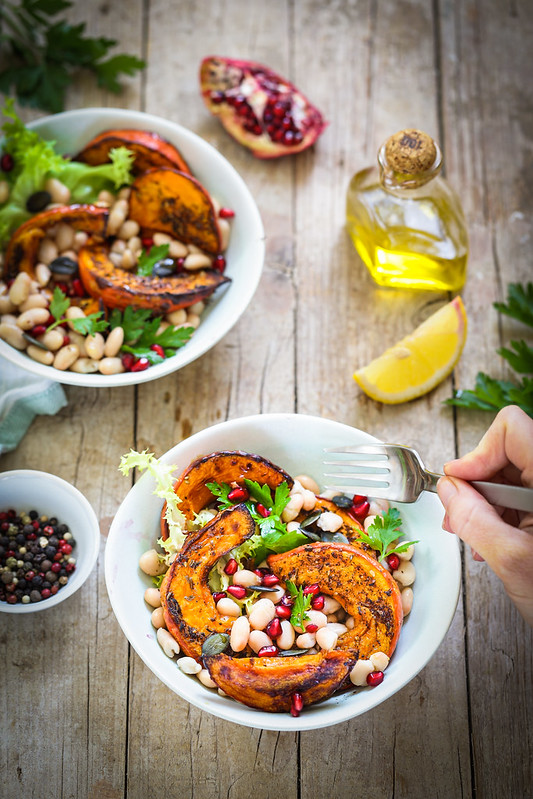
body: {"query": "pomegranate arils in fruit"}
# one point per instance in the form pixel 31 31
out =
pixel 297 704
pixel 259 108
pixel 375 678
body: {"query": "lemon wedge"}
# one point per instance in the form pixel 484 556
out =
pixel 420 361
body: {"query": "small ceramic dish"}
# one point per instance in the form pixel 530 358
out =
pixel 294 442
pixel 23 490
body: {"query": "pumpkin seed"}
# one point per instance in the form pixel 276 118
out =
pixel 215 644
pixel 342 501
pixel 164 268
pixel 311 519
pixel 285 653
pixel 313 536
pixel 63 265
pixel 34 341
pixel 337 538
pixel 264 588
pixel 38 201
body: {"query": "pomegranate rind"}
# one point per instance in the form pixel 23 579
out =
pixel 231 78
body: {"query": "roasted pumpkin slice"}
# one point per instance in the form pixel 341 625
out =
pixel 118 288
pixel 150 150
pixel 21 252
pixel 363 587
pixel 268 683
pixel 167 201
pixel 188 605
pixel 222 467
pixel 351 528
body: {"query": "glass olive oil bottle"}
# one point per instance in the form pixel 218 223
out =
pixel 405 220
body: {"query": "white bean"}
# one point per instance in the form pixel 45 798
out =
pixel 20 288
pixel 329 521
pixel 306 640
pixel 6 306
pixel 73 312
pixel 119 245
pixel 262 613
pixel 111 366
pixel 189 665
pixel 43 274
pixel 408 554
pixel 57 191
pixel 161 238
pixel 177 249
pixel 195 261
pixel 258 639
pixel 124 193
pixel 277 595
pixel 378 507
pixel 41 356
pixel 64 237
pixel 224 229
pixel 193 320
pixel 80 239
pixel 338 629
pixel 315 617
pixel 309 502
pixel 368 521
pixel 240 632
pixel 117 217
pixel 79 340
pixel 168 644
pixel 114 342
pixel 34 301
pixel 128 229
pixel 326 638
pixel 35 316
pixel 128 259
pixel 152 596
pixel 47 251
pixel 405 573
pixel 65 357
pixel 197 308
pixel 52 339
pixel 308 483
pixel 286 639
pixel 84 366
pixel 227 607
pixel 13 335
pixel 94 346
pixel 350 622
pixel 407 596
pixel 106 197
pixel 205 678
pixel 150 563
pixel 158 618
pixel 292 508
pixel 177 317
pixel 245 577
pixel 360 672
pixel 330 605
pixel 380 661
pixel 135 245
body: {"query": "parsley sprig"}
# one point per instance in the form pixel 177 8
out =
pixel 141 333
pixel 88 325
pixel 147 260
pixel 383 532
pixel 491 394
pixel 301 604
pixel 43 54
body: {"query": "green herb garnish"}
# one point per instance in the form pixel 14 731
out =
pixel 491 394
pixel 302 603
pixel 87 325
pixel 147 260
pixel 42 55
pixel 383 532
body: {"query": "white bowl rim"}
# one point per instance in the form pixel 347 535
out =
pixel 91 547
pixel 235 712
pixel 242 292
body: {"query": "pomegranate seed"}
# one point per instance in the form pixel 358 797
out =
pixel 357 498
pixel 218 595
pixel 297 704
pixel 393 561
pixel 219 263
pixel 238 494
pixel 179 264
pixel 147 242
pixel 6 162
pixel 128 359
pixel 50 321
pixel 226 213
pixel 264 512
pixel 66 340
pixel 283 611
pixel 267 651
pixel 273 628
pixel 375 678
pixel 314 588
pixel 312 628
pixel 77 287
pixel 258 572
pixel 158 349
pixel 238 591
pixel 269 580
pixel 140 365
pixel 38 330
pixel 286 600
pixel 318 601
pixel 360 510
pixel 231 566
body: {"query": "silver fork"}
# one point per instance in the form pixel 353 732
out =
pixel 395 472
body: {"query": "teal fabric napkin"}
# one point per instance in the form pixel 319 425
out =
pixel 22 397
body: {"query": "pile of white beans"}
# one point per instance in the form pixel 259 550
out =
pixel 25 303
pixel 251 619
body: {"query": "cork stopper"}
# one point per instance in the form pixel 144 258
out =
pixel 410 152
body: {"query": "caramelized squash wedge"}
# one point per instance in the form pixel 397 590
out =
pixel 167 201
pixel 363 587
pixel 268 683
pixel 118 288
pixel 188 605
pixel 222 467
pixel 150 150
pixel 21 252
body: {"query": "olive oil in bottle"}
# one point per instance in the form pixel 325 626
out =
pixel 405 220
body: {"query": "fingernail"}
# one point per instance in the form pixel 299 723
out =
pixel 446 490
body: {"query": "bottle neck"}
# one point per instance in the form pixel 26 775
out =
pixel 391 179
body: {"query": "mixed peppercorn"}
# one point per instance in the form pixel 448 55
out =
pixel 35 556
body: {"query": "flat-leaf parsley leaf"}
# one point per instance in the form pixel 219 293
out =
pixel 383 532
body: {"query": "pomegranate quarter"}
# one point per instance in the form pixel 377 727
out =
pixel 260 109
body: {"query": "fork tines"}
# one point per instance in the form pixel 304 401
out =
pixel 360 478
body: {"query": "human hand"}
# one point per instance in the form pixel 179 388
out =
pixel 503 538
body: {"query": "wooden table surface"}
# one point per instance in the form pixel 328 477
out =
pixel 81 714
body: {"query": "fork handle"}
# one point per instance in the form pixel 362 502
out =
pixel 516 497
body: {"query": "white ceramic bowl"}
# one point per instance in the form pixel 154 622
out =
pixel 71 130
pixel 24 490
pixel 294 442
